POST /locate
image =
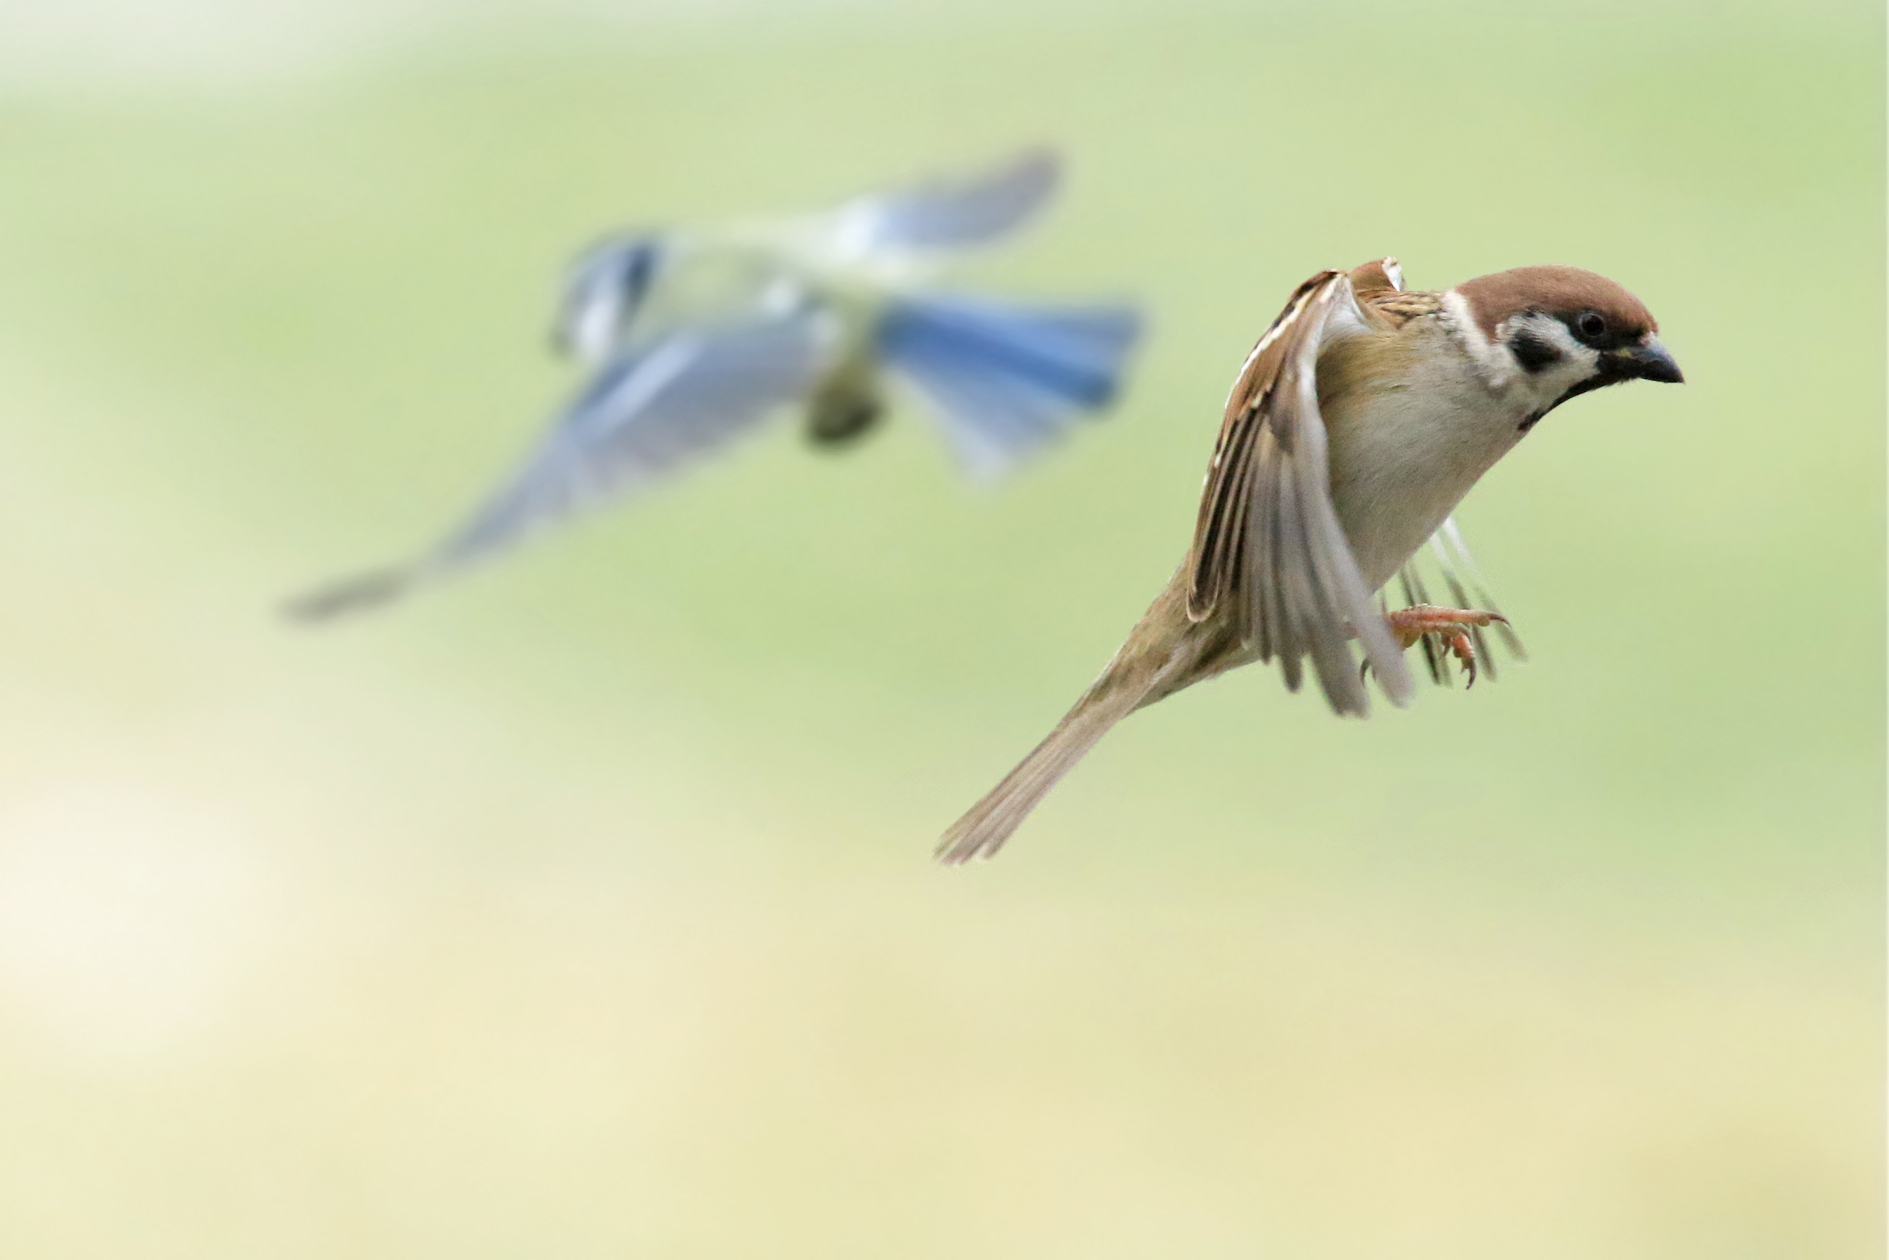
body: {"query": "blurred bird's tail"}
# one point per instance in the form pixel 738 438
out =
pixel 1007 379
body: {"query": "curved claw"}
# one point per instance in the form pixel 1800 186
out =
pixel 1454 631
pixel 1464 649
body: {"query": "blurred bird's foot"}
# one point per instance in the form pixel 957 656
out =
pixel 1450 626
pixel 836 422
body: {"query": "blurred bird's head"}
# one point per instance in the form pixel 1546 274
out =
pixel 603 290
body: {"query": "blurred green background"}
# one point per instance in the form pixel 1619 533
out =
pixel 582 908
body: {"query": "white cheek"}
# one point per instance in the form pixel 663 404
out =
pixel 1564 376
pixel 1578 362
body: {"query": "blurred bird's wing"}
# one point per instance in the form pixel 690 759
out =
pixel 1467 589
pixel 944 214
pixel 649 413
pixel 603 289
pixel 1006 380
pixel 608 284
pixel 645 415
pixel 1269 552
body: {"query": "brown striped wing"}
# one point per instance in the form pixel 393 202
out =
pixel 1269 553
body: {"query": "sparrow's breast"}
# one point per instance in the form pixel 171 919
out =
pixel 1413 425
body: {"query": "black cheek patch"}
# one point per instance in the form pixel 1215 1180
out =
pixel 1532 352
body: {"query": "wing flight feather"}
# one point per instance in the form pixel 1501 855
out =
pixel 645 415
pixel 1269 552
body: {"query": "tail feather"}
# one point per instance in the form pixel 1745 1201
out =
pixel 1163 654
pixel 987 824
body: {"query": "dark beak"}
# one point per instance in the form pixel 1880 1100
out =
pixel 1647 361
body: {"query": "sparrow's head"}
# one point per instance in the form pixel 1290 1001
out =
pixel 1561 331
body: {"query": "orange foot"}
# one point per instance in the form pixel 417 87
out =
pixel 1448 625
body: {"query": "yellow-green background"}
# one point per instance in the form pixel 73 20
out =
pixel 582 908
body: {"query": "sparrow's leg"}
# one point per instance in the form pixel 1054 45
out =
pixel 1448 625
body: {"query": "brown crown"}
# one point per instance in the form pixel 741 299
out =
pixel 1558 291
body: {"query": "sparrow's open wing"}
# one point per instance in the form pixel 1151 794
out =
pixel 1268 545
pixel 1450 557
pixel 946 214
pixel 644 416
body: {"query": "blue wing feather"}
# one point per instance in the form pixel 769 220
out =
pixel 644 416
pixel 1005 379
pixel 647 413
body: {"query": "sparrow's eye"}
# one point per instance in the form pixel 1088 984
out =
pixel 1591 325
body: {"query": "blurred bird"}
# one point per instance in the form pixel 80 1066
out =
pixel 694 338
pixel 1357 424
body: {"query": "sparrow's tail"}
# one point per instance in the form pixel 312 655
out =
pixel 1007 379
pixel 985 827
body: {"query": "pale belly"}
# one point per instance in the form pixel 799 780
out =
pixel 1400 466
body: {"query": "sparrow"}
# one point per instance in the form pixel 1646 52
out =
pixel 692 338
pixel 1358 422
